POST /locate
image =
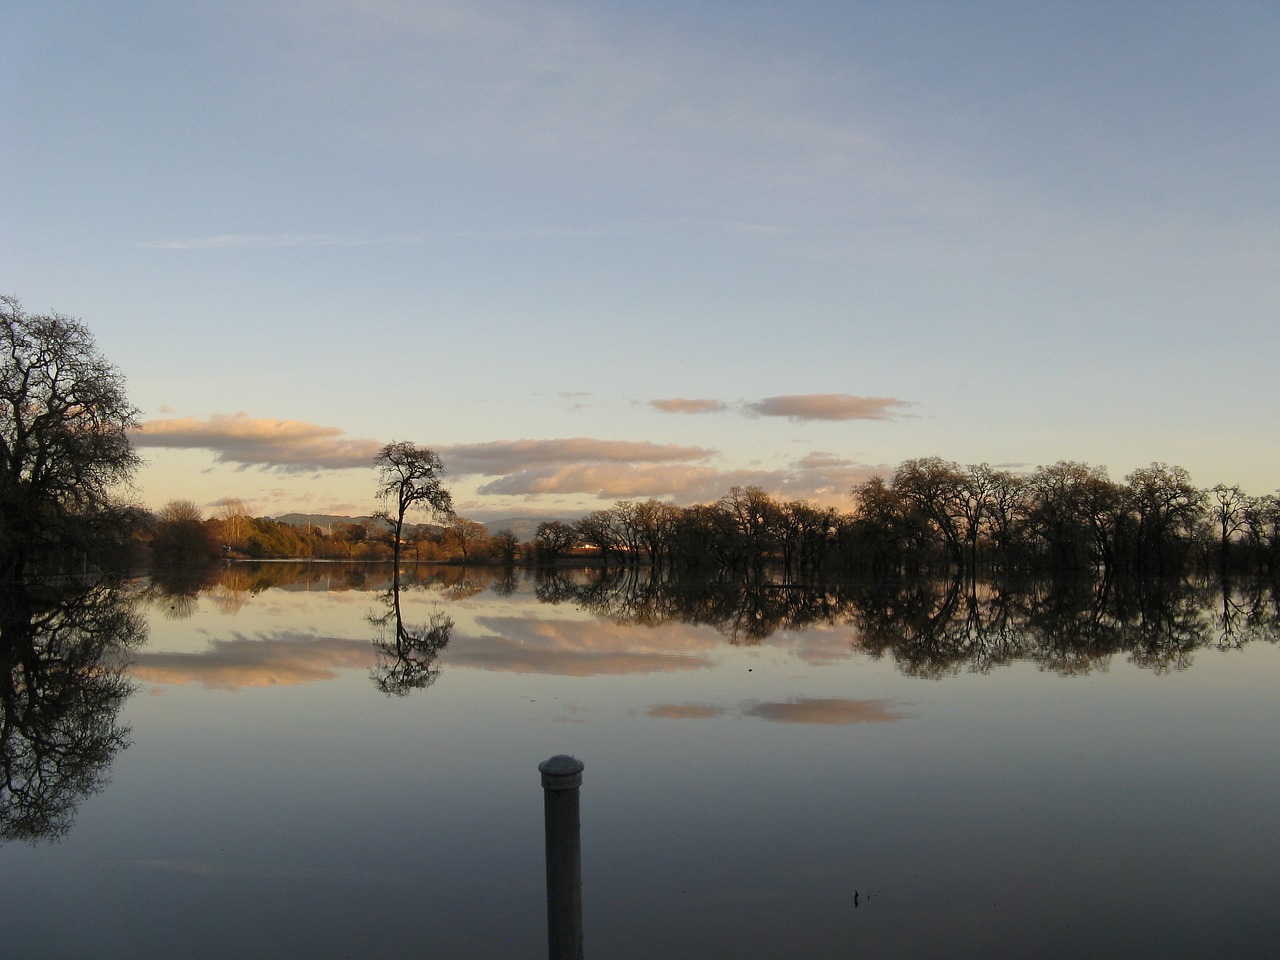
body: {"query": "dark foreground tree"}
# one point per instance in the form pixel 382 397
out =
pixel 409 477
pixel 64 444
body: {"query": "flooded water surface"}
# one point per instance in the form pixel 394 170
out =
pixel 939 770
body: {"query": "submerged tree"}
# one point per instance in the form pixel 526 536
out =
pixel 64 444
pixel 409 477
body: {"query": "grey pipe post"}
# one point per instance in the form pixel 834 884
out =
pixel 561 778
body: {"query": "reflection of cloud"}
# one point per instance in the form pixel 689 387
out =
pixel 282 444
pixel 243 662
pixel 582 647
pixel 686 711
pixel 681 405
pixel 209 868
pixel 831 711
pixel 828 406
pixel 509 656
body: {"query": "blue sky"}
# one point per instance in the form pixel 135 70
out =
pixel 599 250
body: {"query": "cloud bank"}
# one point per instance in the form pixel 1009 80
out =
pixel 570 466
pixel 288 445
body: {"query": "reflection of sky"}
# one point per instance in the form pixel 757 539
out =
pixel 286 637
pixel 1012 814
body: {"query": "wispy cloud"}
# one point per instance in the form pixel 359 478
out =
pixel 245 241
pixel 579 87
pixel 828 406
pixel 682 405
pixel 801 406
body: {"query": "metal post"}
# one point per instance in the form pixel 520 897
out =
pixel 561 778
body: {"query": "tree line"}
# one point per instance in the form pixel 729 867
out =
pixel 934 516
pixel 930 517
pixel 65 451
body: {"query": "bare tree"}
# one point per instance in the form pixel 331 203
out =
pixel 553 538
pixel 506 543
pixel 1167 505
pixel 468 535
pixel 233 517
pixel 409 477
pixel 64 435
pixel 1228 514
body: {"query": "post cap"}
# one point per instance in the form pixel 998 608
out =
pixel 561 772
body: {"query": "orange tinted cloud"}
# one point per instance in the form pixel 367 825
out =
pixel 289 445
pixel 681 405
pixel 828 406
pixel 830 711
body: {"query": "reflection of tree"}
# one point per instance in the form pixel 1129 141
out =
pixel 1242 615
pixel 61 688
pixel 407 654
pixel 505 585
pixel 935 628
pixel 176 590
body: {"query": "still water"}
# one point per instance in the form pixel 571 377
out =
pixel 931 773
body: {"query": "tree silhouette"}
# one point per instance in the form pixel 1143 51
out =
pixel 64 444
pixel 409 477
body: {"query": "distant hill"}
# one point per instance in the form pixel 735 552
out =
pixel 325 521
pixel 329 523
pixel 523 527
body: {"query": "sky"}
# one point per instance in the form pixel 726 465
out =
pixel 589 251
